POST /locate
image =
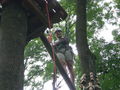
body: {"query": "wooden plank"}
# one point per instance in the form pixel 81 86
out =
pixel 34 7
pixel 39 8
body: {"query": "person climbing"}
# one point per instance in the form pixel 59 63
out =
pixel 64 52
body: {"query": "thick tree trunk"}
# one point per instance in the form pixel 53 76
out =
pixel 86 57
pixel 12 42
pixel 88 80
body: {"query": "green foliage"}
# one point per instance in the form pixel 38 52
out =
pixel 108 62
pixel 111 61
pixel 48 71
pixel 116 35
pixel 37 65
pixel 98 14
pixel 34 49
pixel 69 6
pixel 117 3
pixel 94 17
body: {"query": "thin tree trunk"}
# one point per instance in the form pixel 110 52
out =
pixel 86 57
pixel 12 43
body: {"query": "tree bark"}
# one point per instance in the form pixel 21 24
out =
pixel 86 57
pixel 12 43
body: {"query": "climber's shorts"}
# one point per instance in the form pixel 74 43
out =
pixel 67 55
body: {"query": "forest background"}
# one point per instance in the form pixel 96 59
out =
pixel 103 16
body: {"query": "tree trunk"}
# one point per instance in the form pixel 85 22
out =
pixel 12 43
pixel 86 57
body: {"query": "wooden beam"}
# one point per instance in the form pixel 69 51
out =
pixel 33 6
pixel 58 64
pixel 38 7
pixel 35 33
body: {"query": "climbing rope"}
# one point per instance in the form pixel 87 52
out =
pixel 48 16
pixel 50 39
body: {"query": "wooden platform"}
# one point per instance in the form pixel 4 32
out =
pixel 37 15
